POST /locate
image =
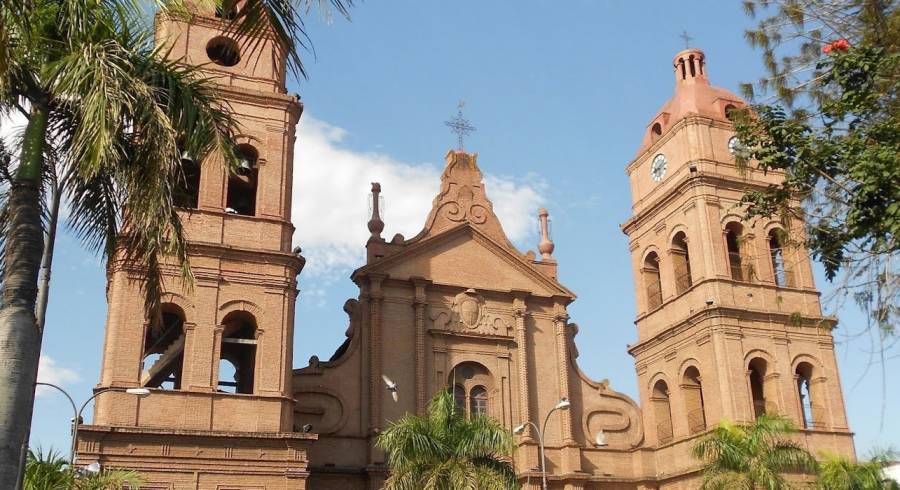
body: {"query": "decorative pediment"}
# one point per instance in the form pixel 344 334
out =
pixel 462 199
pixel 466 257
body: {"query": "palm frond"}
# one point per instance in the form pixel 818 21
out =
pixel 445 450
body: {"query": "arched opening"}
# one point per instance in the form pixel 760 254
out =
pixel 662 410
pixel 163 358
pixel 227 377
pixel 693 400
pixel 681 263
pixel 478 401
pixel 730 112
pixel 187 187
pixel 810 406
pixel 782 275
pixel 733 236
pixel 223 51
pixel 243 184
pixel 693 68
pixel 760 387
pixel 652 283
pixel 471 383
pixel 655 131
pixel 238 348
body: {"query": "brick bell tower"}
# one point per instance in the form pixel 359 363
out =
pixel 220 409
pixel 729 321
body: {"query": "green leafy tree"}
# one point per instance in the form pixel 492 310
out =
pixel 107 118
pixel 838 472
pixel 752 456
pixel 49 471
pixel 444 450
pixel 828 119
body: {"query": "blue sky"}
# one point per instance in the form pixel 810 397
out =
pixel 560 93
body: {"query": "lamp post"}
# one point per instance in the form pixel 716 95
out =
pixel 77 411
pixel 562 405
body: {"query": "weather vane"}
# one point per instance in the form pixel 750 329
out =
pixel 687 39
pixel 460 125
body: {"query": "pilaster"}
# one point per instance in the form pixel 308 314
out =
pixel 560 320
pixel 376 297
pixel 520 312
pixel 419 302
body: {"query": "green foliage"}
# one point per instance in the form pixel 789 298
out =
pixel 49 471
pixel 838 472
pixel 834 133
pixel 752 456
pixel 446 451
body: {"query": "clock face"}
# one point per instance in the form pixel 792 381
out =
pixel 658 167
pixel 736 147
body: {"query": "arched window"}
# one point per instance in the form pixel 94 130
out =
pixel 164 350
pixel 471 384
pixel 662 410
pixel 777 240
pixel 693 400
pixel 459 398
pixel 238 349
pixel 733 236
pixel 478 401
pixel 810 407
pixel 760 387
pixel 652 283
pixel 187 187
pixel 681 262
pixel 243 184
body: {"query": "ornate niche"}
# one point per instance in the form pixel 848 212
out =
pixel 469 314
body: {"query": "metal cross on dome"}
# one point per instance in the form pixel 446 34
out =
pixel 460 125
pixel 687 39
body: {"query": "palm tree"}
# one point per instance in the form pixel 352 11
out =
pixel 752 456
pixel 108 117
pixel 49 471
pixel 444 450
pixel 838 472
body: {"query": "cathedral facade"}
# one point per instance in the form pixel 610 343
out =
pixel 729 321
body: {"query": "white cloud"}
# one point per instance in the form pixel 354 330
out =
pixel 49 371
pixel 11 127
pixel 332 185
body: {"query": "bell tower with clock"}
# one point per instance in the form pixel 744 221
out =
pixel 729 321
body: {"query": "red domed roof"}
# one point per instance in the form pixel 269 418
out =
pixel 693 96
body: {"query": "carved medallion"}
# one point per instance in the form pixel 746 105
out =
pixel 468 307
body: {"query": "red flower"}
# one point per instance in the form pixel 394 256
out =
pixel 838 45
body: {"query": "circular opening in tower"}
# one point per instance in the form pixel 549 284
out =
pixel 223 51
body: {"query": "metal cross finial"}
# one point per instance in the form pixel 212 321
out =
pixel 687 39
pixel 460 125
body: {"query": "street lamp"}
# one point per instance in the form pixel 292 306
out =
pixel 77 420
pixel 563 404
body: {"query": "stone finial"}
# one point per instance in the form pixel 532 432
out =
pixel 546 246
pixel 376 226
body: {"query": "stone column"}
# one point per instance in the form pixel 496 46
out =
pixel 520 312
pixel 421 380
